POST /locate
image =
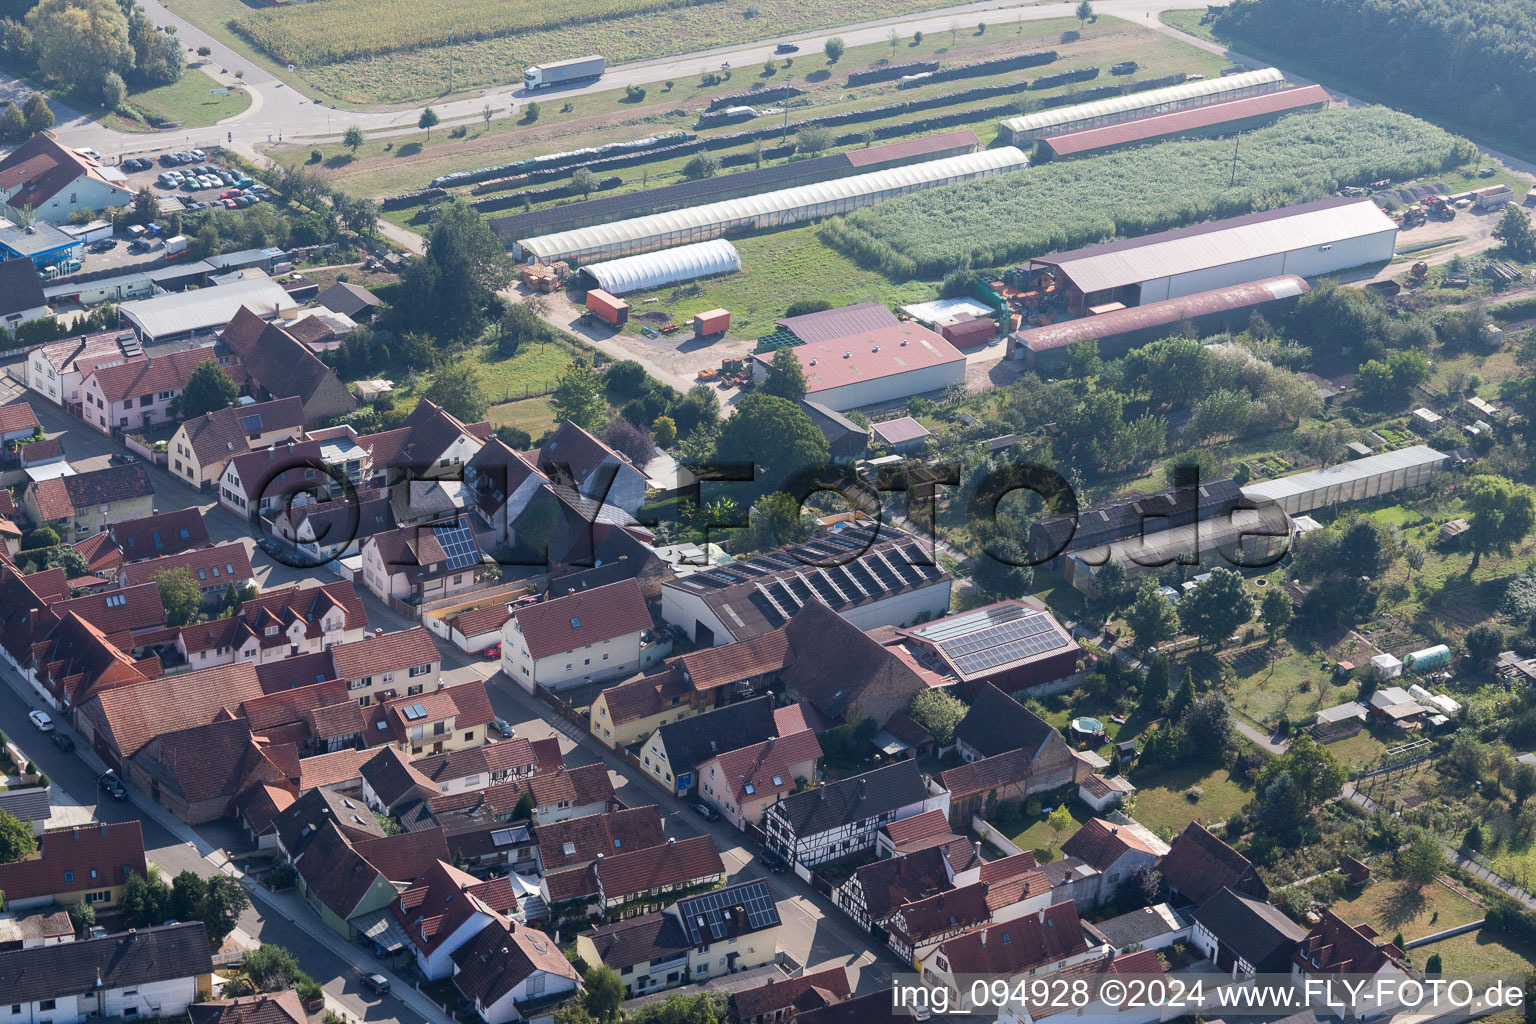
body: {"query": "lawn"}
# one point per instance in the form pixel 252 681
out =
pixel 1044 842
pixel 188 101
pixel 778 268
pixel 1294 685
pixel 1391 906
pixel 1479 953
pixel 1360 750
pixel 1160 803
pixel 535 415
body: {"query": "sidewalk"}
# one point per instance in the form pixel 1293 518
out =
pixel 288 905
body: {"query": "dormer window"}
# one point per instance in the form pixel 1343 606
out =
pixel 271 631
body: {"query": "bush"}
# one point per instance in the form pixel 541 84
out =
pixel 1194 794
pixel 315 156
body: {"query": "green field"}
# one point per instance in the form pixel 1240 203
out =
pixel 1391 906
pixel 1161 804
pixel 188 101
pixel 1479 953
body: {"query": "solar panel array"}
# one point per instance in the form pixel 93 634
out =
pixel 458 544
pixel 414 711
pixel 1004 643
pixel 753 897
pixel 251 422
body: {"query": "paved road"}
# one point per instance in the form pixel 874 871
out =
pixel 282 111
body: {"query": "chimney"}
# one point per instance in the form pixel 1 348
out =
pixel 770 741
pixel 983 936
pixel 978 849
pixel 863 788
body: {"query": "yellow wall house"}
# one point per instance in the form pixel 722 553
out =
pixel 83 505
pixel 88 863
pixel 202 447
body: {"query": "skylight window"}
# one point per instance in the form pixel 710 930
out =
pixel 575 622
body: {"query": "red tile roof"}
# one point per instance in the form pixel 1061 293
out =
pixel 389 652
pixel 260 802
pixel 73 354
pixel 148 375
pixel 332 769
pixel 260 471
pixel 634 828
pixel 919 826
pixel 786 993
pixel 501 957
pixel 1101 843
pixel 766 768
pixel 75 860
pixel 132 715
pixel 444 899
pixel 211 567
pixel 587 617
pixel 513 755
pixel 584 784
pixel 60 497
pixel 874 354
pixel 99 551
pixel 43 168
pixel 676 862
pixel 474 621
pixel 289 706
pixel 40 451
pixel 76 661
pixel 1340 947
pixel 407 856
pixel 467 704
pixel 165 533
pixel 267 1008
pixel 17 416
pixel 645 696
pixel 52 499
pixel 221 435
pixel 130 610
pixel 1004 950
pixel 732 663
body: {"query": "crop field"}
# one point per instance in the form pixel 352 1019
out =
pixel 999 220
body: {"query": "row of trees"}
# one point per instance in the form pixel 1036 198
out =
pixel 19 123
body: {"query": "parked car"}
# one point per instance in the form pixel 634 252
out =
pixel 492 652
pixel 229 204
pixel 706 812
pixel 102 245
pixel 501 726
pixel 198 154
pixel 122 459
pixel 41 720
pixel 786 48
pixel 110 784
pixel 376 983
pixel 63 742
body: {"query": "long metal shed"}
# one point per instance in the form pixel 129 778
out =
pixel 654 269
pixel 768 210
pixel 1350 481
pixel 1139 104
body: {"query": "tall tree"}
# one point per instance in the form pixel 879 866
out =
pixel 834 48
pixel 13 124
pixel 1514 229
pixel 579 397
pixel 269 968
pixel 939 712
pixel 775 434
pixel 180 595
pixel 427 121
pixel 353 138
pixel 604 993
pixel 224 900
pixel 778 520
pixel 1216 607
pixel 456 387
pixel 16 839
pixel 208 390
pixel 1084 13
pixel 698 408
pixel 1152 619
pixel 79 42
pixel 1277 612
pixel 1423 860
pixel 39 117
pixel 445 293
pixel 786 378
pixel 1503 514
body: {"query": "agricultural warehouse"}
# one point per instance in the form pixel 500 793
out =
pixel 1244 537
pixel 179 315
pixel 1120 330
pixel 730 186
pixel 760 212
pixel 1307 240
pixel 653 270
pixel 1350 481
pixel 874 366
pixel 1214 119
pixel 1027 128
pixel 1011 644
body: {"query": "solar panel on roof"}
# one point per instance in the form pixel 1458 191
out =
pixel 251 422
pixel 458 544
pixel 708 911
pixel 415 711
pixel 1027 647
pixel 992 636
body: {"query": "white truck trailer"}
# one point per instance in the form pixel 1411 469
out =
pixel 561 72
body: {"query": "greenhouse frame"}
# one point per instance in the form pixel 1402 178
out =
pixel 1028 127
pixel 652 270
pixel 760 212
pixel 1347 482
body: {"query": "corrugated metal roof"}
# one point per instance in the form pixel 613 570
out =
pixel 870 355
pixel 920 146
pixel 1188 92
pixel 840 322
pixel 654 269
pixel 1193 119
pixel 1217 243
pixel 205 308
pixel 715 216
pixel 1329 476
pixel 1158 314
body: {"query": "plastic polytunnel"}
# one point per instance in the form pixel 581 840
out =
pixel 652 270
pixel 1141 104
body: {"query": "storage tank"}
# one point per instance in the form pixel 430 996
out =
pixel 1429 659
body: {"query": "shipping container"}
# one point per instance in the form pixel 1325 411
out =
pixel 969 333
pixel 713 321
pixel 614 310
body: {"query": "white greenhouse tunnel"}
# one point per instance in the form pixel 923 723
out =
pixel 671 266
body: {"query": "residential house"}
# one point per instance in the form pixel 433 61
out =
pixel 323 531
pixel 1047 941
pixel 502 483
pixel 996 724
pixel 741 783
pixel 598 472
pixel 1335 947
pixel 584 637
pixel 691 683
pixel 462 771
pixel 576 842
pixel 446 718
pixel 339 883
pixel 511 972
pixel 446 909
pixel 57 369
pixel 636 881
pixel 201 448
pixel 781 999
pixel 1037 1006
pixel 402 663
pixel 430 444
pixel 570 792
pixel 1198 865
pixel 305 820
pixel 215 569
pixel 84 864
pixel 196 772
pixel 674 752
pixel 1004 890
pixel 84 504
pixel 278 364
pixel 875 892
pixel 56 182
pixel 417 565
pixel 117 722
pixel 281 625
pixel 257 806
pixel 1045 764
pixel 1010 645
pixel 1244 936
pixel 143 973
pixel 75 661
pixel 138 392
pixel 18 421
pixel 265 481
pixel 840 819
pixel 263 1008
pixel 391 781
pixel 909 835
pixel 697 938
pixel 842 672
pixel 21 293
pixel 1116 853
pixel 135 610
pixel 164 533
